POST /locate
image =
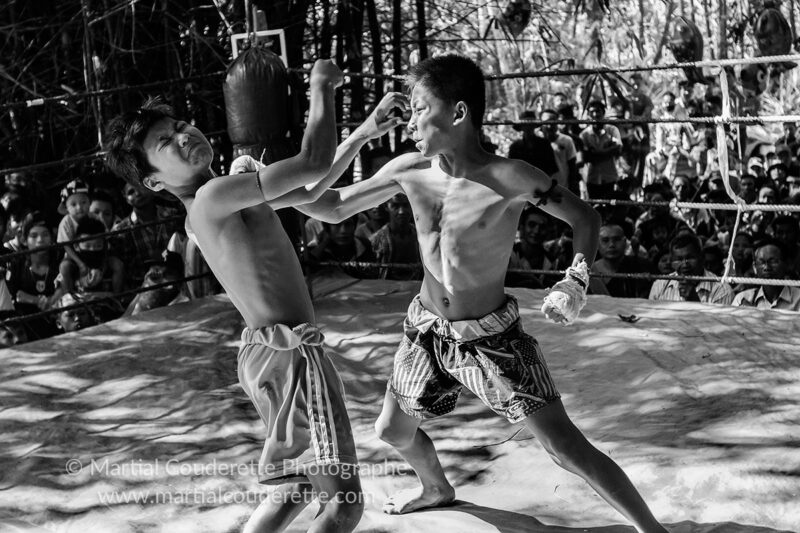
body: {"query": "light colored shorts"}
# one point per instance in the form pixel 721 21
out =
pixel 298 394
pixel 491 356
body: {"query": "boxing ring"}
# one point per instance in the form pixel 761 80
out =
pixel 139 424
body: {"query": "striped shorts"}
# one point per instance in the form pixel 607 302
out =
pixel 491 356
pixel 298 395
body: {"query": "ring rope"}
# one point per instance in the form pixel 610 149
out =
pixel 539 272
pixel 699 205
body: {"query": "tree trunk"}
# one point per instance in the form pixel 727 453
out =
pixel 641 24
pixel 665 33
pixel 421 30
pixel 377 47
pixel 723 24
pixel 397 55
pixel 706 11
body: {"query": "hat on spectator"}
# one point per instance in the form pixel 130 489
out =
pixel 73 187
pixel 755 162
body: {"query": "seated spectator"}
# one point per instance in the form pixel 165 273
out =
pixel 16 209
pixel 338 242
pixel 529 253
pixel 142 244
pixel 75 207
pixel 755 167
pixel 793 188
pixel 747 188
pixel 686 256
pixel 193 264
pixel 168 268
pixel 396 242
pixel 786 231
pixel 32 280
pixel 104 272
pixel 614 261
pixel 770 263
pixel 533 149
pixel 373 220
pixel 777 173
pixel 101 207
pixel 663 263
pixel 75 318
pixel 11 333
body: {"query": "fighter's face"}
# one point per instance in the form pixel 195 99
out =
pixel 178 151
pixel 431 120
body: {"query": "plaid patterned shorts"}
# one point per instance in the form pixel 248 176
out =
pixel 491 356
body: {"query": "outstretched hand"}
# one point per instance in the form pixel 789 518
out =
pixel 565 300
pixel 381 121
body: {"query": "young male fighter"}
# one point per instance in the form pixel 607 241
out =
pixel 463 329
pixel 309 447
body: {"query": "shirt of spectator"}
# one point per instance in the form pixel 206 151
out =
pixel 686 256
pixel 770 264
pixel 602 144
pixel 613 260
pixel 563 150
pixel 105 272
pixel 142 244
pixel 396 242
pixel 533 149
pixel 32 280
pixel 529 253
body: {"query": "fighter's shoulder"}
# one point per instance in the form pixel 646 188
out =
pixel 410 161
pixel 520 176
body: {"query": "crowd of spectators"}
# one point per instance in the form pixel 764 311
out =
pixel 96 276
pixel 652 165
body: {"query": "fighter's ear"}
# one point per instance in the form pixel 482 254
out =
pixel 152 183
pixel 461 113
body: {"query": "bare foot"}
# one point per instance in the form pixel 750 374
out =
pixel 410 500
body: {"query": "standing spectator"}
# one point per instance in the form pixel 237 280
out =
pixel 641 109
pixel 396 242
pixel 614 261
pixel 742 254
pixel 75 207
pixel 770 263
pixel 32 280
pixel 533 149
pixel 601 146
pixel 673 143
pixel 141 244
pixel 529 253
pixel 686 256
pixel 563 150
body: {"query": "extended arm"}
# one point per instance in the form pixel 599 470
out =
pixel 377 124
pixel 229 194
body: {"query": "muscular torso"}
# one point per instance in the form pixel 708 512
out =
pixel 466 230
pixel 255 262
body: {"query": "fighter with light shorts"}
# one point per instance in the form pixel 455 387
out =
pixel 309 449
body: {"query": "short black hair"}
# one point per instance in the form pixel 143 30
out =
pixel 125 134
pixel 90 226
pixel 770 241
pixel 686 240
pixel 31 220
pixel 452 78
pixel 596 103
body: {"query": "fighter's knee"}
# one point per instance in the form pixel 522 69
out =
pixel 391 434
pixel 346 510
pixel 567 453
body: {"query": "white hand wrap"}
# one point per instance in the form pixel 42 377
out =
pixel 568 296
pixel 245 163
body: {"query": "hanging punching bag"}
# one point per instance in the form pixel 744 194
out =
pixel 258 105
